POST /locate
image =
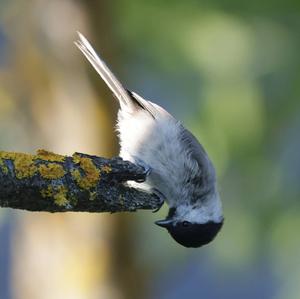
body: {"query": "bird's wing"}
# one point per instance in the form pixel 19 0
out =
pixel 127 99
pixel 198 153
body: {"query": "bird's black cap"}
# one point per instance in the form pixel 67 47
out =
pixel 191 234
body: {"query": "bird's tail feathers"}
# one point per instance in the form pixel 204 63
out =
pixel 108 77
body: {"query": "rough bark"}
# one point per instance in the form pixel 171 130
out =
pixel 55 183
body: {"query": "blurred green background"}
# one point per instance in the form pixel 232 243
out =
pixel 230 71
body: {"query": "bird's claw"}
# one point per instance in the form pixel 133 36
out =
pixel 147 170
pixel 161 197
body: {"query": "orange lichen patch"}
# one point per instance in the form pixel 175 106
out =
pixel 92 173
pixel 51 171
pixel 3 167
pixel 59 194
pixel 106 168
pixel 49 156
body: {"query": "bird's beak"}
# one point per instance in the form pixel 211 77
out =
pixel 164 223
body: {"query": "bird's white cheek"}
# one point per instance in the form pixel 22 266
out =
pixel 210 210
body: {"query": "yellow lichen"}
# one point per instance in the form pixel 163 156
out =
pixel 76 158
pixel 3 167
pixel 91 172
pixel 51 171
pixel 24 166
pixel 49 156
pixel 23 163
pixel 76 175
pixel 59 194
pixel 8 155
pixel 47 192
pixel 106 168
pixel 93 195
pixel 60 197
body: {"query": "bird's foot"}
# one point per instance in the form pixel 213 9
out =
pixel 160 196
pixel 146 167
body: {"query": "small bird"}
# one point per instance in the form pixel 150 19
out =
pixel 179 170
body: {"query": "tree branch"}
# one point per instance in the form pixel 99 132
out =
pixel 55 183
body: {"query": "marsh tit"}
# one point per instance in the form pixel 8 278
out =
pixel 179 168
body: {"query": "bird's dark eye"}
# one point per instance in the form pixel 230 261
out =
pixel 186 223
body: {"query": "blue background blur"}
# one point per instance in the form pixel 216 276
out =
pixel 230 71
